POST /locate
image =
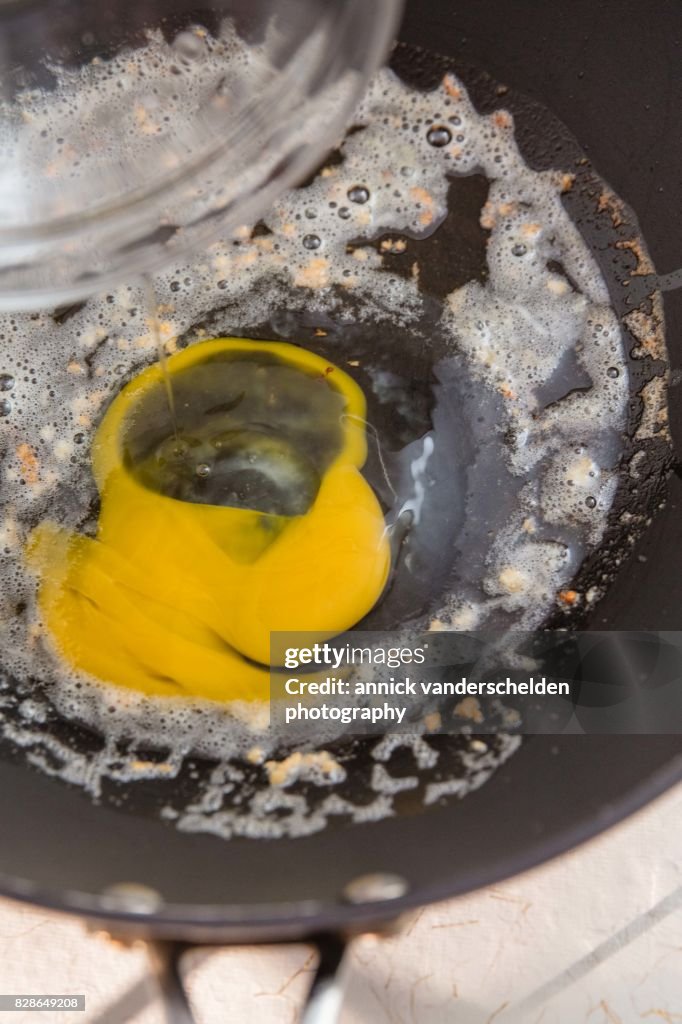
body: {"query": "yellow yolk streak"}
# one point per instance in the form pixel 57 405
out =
pixel 171 596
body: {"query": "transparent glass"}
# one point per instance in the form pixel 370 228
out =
pixel 132 132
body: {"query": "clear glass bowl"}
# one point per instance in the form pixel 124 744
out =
pixel 132 132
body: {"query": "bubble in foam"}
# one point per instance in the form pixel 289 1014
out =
pixel 439 136
pixel 358 194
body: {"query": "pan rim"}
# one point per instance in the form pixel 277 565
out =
pixel 289 921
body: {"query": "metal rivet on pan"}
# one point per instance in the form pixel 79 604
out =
pixel 375 888
pixel 132 898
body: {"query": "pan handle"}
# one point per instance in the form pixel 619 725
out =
pixel 323 1003
pixel 164 961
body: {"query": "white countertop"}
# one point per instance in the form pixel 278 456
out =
pixel 594 936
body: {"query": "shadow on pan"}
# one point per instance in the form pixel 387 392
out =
pixel 581 61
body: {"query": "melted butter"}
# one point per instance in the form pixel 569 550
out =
pixel 253 518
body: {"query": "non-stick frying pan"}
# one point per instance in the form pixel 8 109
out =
pixel 612 72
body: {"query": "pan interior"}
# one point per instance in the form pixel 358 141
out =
pixel 444 271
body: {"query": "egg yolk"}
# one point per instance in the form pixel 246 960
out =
pixel 247 514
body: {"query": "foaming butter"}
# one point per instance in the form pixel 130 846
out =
pixel 242 512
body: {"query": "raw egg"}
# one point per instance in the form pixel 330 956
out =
pixel 233 511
